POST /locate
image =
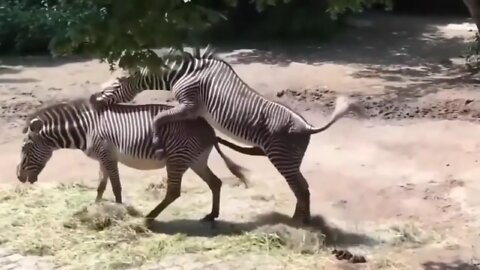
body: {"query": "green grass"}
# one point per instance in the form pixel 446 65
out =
pixel 62 221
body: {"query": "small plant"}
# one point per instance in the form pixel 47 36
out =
pixel 472 54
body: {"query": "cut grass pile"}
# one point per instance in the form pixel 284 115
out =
pixel 63 222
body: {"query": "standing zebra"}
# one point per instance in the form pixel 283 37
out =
pixel 122 133
pixel 206 86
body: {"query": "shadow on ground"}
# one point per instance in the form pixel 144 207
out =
pixel 9 70
pixel 18 80
pixel 456 265
pixel 391 39
pixel 410 50
pixel 190 227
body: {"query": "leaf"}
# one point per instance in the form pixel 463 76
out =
pixel 123 32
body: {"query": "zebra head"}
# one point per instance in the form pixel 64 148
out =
pixel 117 90
pixel 124 88
pixel 35 153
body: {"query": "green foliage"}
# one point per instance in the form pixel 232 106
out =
pixel 27 26
pixel 337 7
pixel 124 32
pixel 472 54
pixel 287 20
pixel 128 30
pixel 262 4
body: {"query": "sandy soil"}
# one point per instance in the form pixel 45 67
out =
pixel 414 161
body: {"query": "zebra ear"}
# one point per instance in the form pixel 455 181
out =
pixel 36 125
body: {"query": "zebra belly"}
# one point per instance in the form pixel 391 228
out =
pixel 140 163
pixel 208 117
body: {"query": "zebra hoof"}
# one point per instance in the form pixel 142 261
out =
pixel 306 222
pixel 208 218
pixel 149 221
pixel 301 220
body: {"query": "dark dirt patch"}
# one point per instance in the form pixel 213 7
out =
pixel 14 110
pixel 387 108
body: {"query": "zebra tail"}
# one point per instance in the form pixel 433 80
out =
pixel 252 151
pixel 234 168
pixel 343 105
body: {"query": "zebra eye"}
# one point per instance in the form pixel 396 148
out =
pixel 24 147
pixel 27 144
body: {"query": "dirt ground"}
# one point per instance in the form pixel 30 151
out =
pixel 415 161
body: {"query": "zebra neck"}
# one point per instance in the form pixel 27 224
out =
pixel 65 136
pixel 153 82
pixel 167 79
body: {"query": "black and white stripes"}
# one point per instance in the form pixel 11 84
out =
pixel 208 87
pixel 123 133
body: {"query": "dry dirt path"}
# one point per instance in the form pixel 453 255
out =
pixel 364 175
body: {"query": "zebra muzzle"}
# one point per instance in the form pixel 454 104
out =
pixel 32 179
pixel 22 178
pixel 26 177
pixel 21 175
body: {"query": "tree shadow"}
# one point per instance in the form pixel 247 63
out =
pixel 391 39
pixel 412 50
pixel 9 70
pixel 333 236
pixel 456 265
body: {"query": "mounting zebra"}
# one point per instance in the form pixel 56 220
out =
pixel 208 87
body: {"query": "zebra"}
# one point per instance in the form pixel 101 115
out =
pixel 207 86
pixel 122 133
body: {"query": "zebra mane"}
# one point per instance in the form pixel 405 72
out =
pixel 74 103
pixel 208 53
pixel 174 55
pixel 197 53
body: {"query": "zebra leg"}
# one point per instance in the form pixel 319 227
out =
pixel 302 193
pixel 101 150
pixel 215 185
pixel 175 170
pixel 103 178
pixel 183 111
pixel 299 187
pixel 112 168
pixel 287 156
pixel 110 164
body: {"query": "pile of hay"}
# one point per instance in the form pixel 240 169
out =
pixel 106 214
pixel 63 222
pixel 305 241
